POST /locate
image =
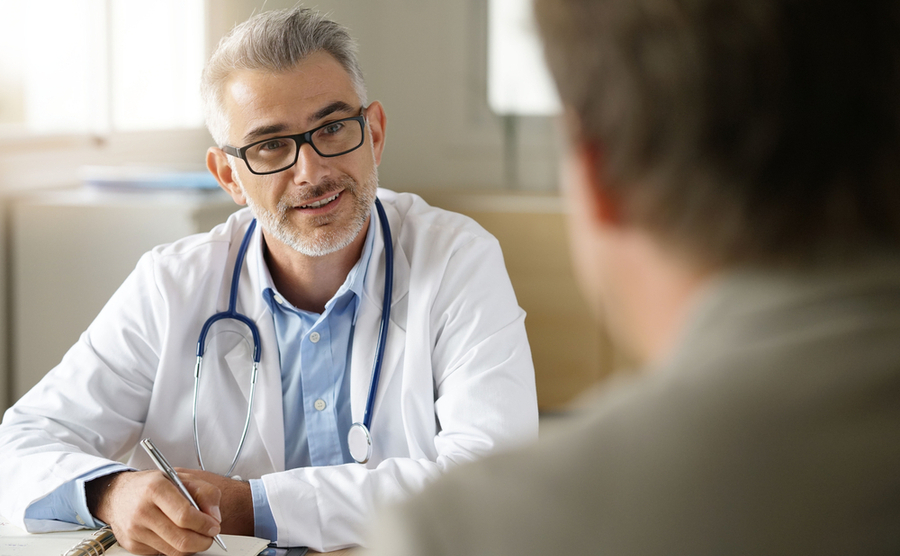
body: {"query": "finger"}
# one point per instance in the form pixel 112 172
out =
pixel 167 538
pixel 142 527
pixel 179 511
pixel 132 539
pixel 207 496
pixel 140 539
pixel 156 546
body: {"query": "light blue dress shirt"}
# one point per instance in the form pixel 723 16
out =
pixel 68 502
pixel 314 351
pixel 315 430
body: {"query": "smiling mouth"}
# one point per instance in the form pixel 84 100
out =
pixel 320 203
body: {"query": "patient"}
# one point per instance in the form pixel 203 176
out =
pixel 733 177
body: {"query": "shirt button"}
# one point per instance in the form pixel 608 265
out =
pixel 314 338
pixel 319 405
pixel 279 300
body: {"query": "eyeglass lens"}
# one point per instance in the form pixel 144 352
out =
pixel 280 153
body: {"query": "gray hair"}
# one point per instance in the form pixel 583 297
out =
pixel 275 41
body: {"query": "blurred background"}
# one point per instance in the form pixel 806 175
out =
pixel 102 149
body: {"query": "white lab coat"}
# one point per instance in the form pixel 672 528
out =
pixel 457 380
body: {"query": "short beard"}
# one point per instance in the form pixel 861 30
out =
pixel 278 226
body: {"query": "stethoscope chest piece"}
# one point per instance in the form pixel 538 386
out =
pixel 360 443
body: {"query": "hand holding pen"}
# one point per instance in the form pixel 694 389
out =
pixel 148 516
pixel 164 466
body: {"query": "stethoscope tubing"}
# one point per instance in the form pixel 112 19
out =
pixel 385 314
pixel 232 313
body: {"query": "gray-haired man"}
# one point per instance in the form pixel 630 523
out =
pixel 298 143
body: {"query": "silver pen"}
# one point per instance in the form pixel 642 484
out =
pixel 163 464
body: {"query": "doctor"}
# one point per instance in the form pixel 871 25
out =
pixel 300 145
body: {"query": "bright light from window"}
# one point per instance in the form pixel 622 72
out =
pixel 47 80
pixel 157 57
pixel 518 80
pixel 100 65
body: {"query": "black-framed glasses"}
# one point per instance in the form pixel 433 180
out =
pixel 277 154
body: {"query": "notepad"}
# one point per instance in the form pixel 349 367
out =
pixel 16 542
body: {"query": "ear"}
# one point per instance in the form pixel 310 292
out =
pixel 377 122
pixel 217 162
pixel 588 184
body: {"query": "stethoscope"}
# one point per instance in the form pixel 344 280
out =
pixel 359 437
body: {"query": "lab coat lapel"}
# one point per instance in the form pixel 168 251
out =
pixel 267 405
pixel 368 322
pixel 237 358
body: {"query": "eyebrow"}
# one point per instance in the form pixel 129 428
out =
pixel 337 106
pixel 263 130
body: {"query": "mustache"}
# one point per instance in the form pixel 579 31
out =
pixel 322 189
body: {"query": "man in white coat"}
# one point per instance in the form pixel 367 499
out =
pixel 299 144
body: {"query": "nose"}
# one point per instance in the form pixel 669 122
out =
pixel 311 168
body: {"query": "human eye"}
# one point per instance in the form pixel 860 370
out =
pixel 272 145
pixel 275 148
pixel 333 128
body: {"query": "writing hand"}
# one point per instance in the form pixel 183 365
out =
pixel 236 502
pixel 149 515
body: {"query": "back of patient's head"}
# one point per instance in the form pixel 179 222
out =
pixel 739 132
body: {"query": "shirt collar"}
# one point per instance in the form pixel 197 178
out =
pixel 352 285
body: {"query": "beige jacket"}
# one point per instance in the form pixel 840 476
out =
pixel 775 429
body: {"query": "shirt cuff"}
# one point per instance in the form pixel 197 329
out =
pixel 263 521
pixel 68 502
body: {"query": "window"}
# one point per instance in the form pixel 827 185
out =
pixel 518 80
pixel 520 90
pixel 97 66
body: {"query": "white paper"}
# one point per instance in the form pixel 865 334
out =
pixel 16 542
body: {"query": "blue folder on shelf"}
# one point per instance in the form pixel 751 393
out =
pixel 146 178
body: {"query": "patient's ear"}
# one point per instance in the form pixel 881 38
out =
pixel 588 184
pixel 217 163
